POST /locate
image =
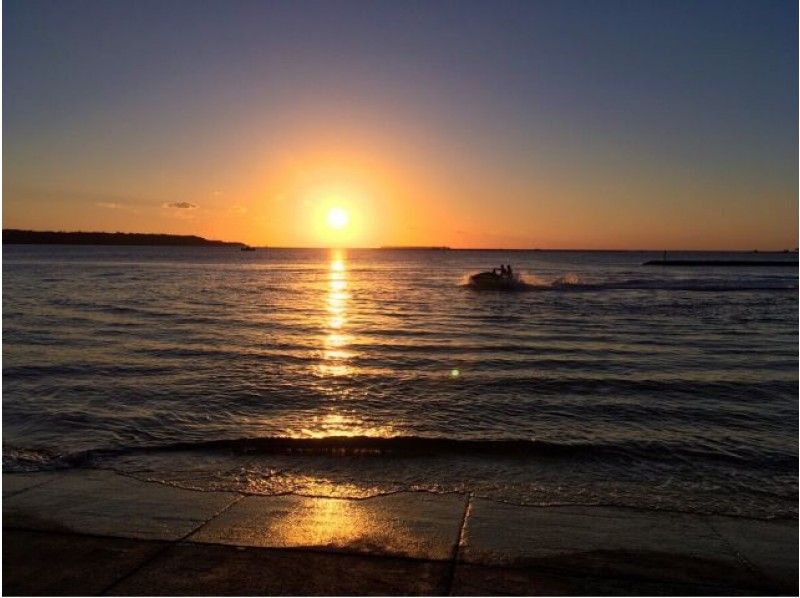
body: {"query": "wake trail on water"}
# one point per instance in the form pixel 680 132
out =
pixel 528 281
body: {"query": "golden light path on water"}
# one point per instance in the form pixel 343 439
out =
pixel 336 358
pixel 335 353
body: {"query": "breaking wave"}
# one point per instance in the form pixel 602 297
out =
pixel 26 460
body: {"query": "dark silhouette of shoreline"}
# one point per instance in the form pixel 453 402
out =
pixel 415 247
pixel 30 237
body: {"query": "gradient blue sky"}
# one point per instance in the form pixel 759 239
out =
pixel 495 124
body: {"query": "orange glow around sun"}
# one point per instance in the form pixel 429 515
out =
pixel 318 196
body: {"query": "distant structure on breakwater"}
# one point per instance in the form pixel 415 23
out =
pixel 725 263
pixel 415 247
pixel 31 237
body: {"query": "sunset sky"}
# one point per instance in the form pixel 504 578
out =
pixel 558 124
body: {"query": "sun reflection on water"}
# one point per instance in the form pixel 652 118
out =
pixel 335 366
pixel 335 356
pixel 342 424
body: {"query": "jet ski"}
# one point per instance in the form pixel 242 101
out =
pixel 492 281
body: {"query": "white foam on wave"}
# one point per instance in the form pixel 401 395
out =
pixel 572 281
pixel 532 281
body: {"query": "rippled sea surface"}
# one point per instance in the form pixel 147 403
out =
pixel 359 372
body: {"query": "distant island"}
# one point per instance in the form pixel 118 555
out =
pixel 13 236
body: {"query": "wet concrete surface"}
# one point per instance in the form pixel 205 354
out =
pixel 418 525
pixel 601 541
pixel 483 580
pixel 199 569
pixel 14 484
pixel 769 547
pixel 104 503
pixel 39 563
pixel 98 532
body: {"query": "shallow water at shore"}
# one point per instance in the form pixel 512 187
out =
pixel 608 383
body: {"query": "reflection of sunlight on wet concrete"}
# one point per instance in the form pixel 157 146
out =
pixel 313 486
pixel 337 523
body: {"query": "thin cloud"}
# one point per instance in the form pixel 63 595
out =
pixel 183 205
pixel 112 205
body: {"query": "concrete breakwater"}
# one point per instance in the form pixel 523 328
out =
pixel 724 263
pixel 115 535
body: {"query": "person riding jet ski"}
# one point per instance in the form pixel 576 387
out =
pixel 505 280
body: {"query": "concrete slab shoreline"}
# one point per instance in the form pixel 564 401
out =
pixel 97 532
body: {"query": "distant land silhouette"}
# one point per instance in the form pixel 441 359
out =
pixel 13 236
pixel 416 247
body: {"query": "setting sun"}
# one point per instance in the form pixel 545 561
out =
pixel 337 218
pixel 423 278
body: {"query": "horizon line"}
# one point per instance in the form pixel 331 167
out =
pixel 404 247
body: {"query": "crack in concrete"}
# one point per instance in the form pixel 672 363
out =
pixel 451 574
pixel 743 560
pixel 18 492
pixel 169 545
pixel 691 588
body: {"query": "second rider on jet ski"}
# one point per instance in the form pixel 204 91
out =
pixel 505 271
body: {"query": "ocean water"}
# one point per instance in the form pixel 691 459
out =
pixel 361 372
